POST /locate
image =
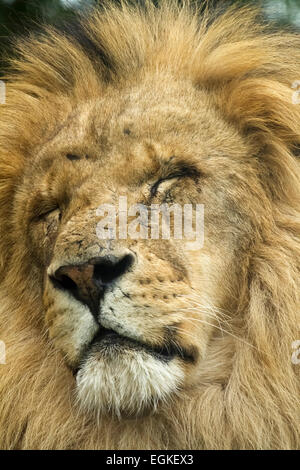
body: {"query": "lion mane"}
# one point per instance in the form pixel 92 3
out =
pixel 248 70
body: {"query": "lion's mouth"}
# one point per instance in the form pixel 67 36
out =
pixel 107 338
pixel 108 343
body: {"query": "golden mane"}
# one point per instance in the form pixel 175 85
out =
pixel 248 71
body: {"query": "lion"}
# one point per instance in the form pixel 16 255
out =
pixel 151 343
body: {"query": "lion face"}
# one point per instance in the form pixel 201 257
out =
pixel 133 317
pixel 150 107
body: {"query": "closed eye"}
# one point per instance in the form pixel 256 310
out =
pixel 155 187
pixel 43 213
pixel 183 171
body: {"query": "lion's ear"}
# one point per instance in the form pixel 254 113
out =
pixel 254 80
pixel 252 73
pixel 254 83
pixel 266 107
pixel 265 111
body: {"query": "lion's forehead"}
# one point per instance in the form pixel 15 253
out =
pixel 118 126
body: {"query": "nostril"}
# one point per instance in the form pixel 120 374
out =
pixel 64 282
pixel 103 272
pixel 77 280
pixel 67 283
pixel 109 268
pixel 124 264
pixel 87 282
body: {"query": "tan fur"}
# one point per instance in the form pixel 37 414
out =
pixel 216 93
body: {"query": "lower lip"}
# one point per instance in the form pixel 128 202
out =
pixel 109 341
pixel 109 338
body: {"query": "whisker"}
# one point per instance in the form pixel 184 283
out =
pixel 209 313
pixel 225 331
pixel 223 312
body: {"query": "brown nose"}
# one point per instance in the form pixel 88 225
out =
pixel 87 282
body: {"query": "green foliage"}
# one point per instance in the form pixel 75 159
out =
pixel 18 17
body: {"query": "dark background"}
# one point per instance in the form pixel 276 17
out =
pixel 18 17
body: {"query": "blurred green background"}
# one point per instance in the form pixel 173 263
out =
pixel 20 16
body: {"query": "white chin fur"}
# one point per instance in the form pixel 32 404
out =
pixel 126 383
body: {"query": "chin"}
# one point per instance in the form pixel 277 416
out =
pixel 122 378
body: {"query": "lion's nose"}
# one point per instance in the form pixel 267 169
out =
pixel 87 282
